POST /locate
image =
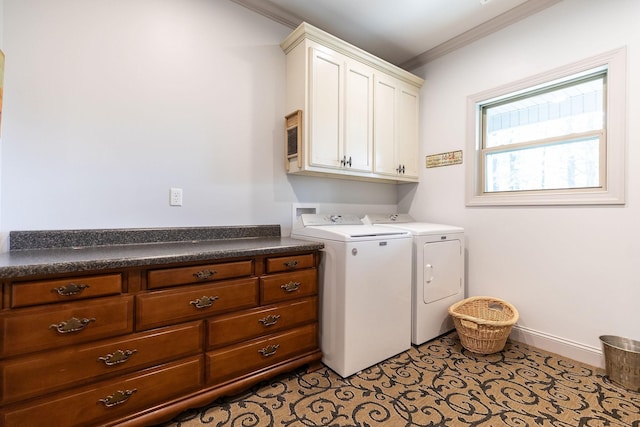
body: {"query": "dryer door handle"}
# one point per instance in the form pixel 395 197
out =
pixel 428 273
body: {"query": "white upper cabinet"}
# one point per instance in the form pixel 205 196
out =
pixel 358 118
pixel 340 117
pixel 326 110
pixel 359 113
pixel 396 129
pixel 407 140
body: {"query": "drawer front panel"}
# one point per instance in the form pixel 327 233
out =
pixel 165 307
pixel 287 286
pixel 199 273
pixel 110 399
pixel 230 362
pixel 289 263
pixel 64 290
pixel 40 328
pixel 31 376
pixel 233 328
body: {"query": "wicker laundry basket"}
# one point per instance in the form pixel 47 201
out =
pixel 483 323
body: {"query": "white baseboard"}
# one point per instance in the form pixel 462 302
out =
pixel 561 346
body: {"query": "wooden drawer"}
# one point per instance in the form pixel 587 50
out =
pixel 31 376
pixel 199 273
pixel 287 286
pixel 289 263
pixel 64 290
pixel 235 361
pixel 88 405
pixel 237 327
pixel 159 308
pixel 40 328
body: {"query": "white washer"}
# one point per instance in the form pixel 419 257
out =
pixel 438 272
pixel 365 290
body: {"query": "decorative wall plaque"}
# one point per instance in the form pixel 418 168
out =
pixel 444 159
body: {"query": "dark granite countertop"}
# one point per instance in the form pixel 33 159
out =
pixel 91 251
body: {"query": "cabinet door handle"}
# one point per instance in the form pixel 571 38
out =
pixel 72 325
pixel 204 274
pixel 344 162
pixel 270 320
pixel 117 398
pixel 204 302
pixel 291 264
pixel 290 287
pixel 269 350
pixel 117 357
pixel 70 289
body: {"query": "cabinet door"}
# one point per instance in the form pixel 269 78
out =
pixel 385 112
pixel 326 101
pixel 358 123
pixel 396 129
pixel 407 131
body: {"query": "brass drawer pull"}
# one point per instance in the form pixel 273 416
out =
pixel 270 320
pixel 291 264
pixel 204 302
pixel 269 350
pixel 204 274
pixel 72 325
pixel 117 398
pixel 70 289
pixel 291 286
pixel 117 357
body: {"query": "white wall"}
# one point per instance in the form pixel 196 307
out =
pixel 109 104
pixel 572 272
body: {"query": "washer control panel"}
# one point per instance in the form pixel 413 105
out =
pixel 387 218
pixel 329 219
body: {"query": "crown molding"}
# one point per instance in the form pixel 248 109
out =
pixel 518 13
pixel 512 16
pixel 306 31
pixel 271 11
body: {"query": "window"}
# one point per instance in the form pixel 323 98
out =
pixel 557 138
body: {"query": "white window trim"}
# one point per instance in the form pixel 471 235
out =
pixel 614 191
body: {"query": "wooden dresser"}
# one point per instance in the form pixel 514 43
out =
pixel 137 345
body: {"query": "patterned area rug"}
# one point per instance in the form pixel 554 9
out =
pixel 436 384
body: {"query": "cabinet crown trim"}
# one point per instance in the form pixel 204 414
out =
pixel 308 31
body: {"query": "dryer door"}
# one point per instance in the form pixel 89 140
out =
pixel 443 266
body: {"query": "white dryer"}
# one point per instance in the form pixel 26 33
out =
pixel 365 290
pixel 438 272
